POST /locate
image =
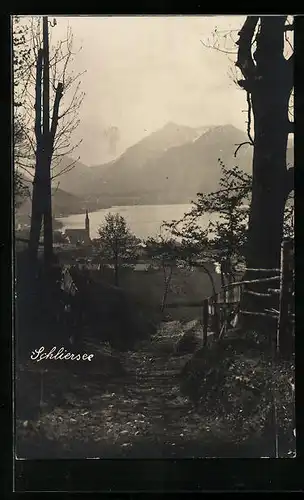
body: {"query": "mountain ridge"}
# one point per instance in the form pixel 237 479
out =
pixel 170 165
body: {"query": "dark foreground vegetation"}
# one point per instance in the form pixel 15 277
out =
pixel 154 388
pixel 151 389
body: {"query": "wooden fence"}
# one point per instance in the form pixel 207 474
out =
pixel 220 311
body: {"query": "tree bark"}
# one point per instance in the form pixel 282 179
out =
pixel 167 281
pixel 270 97
pixel 268 79
pixel 48 226
pixel 37 197
pixel 50 137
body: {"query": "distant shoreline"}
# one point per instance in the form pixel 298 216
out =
pixel 58 217
pixel 125 203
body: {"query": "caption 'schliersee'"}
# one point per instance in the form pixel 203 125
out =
pixel 38 355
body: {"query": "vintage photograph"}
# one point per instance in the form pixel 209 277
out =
pixel 153 174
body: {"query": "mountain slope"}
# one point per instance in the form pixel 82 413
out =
pixel 63 203
pixel 85 181
pixel 177 173
pixel 153 146
pixel 169 166
pixel 185 170
pixel 77 180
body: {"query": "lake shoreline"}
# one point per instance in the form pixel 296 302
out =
pixel 143 220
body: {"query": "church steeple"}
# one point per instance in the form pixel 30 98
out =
pixel 87 224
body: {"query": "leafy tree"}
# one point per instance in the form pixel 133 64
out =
pixel 27 43
pixel 117 243
pixel 224 239
pixel 21 187
pixel 229 232
pixel 166 252
pixel 264 66
pixel 264 69
pixel 267 78
pixel 42 149
pixel 21 57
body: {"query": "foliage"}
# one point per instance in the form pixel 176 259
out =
pixel 116 242
pixel 21 187
pixel 21 59
pixel 22 56
pixel 163 250
pixel 239 385
pixel 289 218
pixel 224 239
pixel 27 41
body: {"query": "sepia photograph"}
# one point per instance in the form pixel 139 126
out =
pixel 153 236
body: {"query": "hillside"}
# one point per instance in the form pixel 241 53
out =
pixel 89 182
pixel 183 171
pixel 78 180
pixel 170 166
pixel 63 204
pixel 176 174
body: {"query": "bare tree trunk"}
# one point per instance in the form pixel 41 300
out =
pixel 48 227
pixel 48 219
pixel 37 200
pixel 269 81
pixel 167 280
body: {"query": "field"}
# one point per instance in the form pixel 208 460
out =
pixel 185 285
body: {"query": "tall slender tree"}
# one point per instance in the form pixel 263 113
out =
pixel 117 243
pixel 36 99
pixel 268 82
pixel 267 78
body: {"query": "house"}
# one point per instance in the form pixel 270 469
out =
pixel 80 236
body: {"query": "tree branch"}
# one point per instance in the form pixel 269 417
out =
pixel 248 98
pixel 38 98
pixel 240 145
pixel 244 60
pixel 58 97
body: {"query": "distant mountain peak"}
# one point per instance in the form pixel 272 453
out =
pixel 172 125
pixel 187 156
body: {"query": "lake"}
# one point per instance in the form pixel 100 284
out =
pixel 143 220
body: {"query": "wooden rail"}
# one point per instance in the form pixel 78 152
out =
pixel 220 311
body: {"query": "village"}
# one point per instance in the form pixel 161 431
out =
pixel 175 274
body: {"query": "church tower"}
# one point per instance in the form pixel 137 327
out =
pixel 87 225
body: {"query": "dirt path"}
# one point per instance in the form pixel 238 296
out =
pixel 143 414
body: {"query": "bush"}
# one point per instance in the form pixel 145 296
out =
pixel 239 387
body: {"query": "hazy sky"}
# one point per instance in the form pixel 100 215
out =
pixel 142 72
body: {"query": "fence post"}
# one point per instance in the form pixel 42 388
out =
pixel 284 340
pixel 216 317
pixel 205 321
